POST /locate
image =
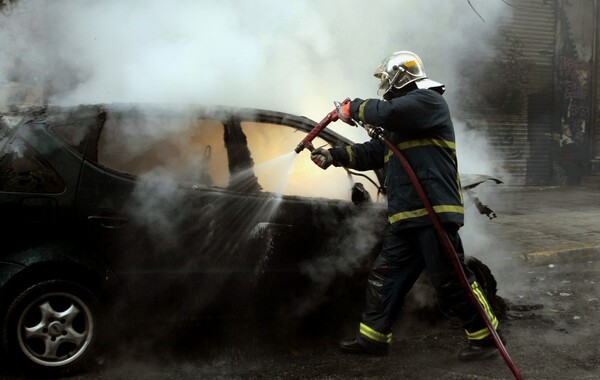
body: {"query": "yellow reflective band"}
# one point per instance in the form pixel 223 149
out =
pixel 483 333
pixel 462 200
pixel 387 156
pixel 423 142
pixel 361 111
pixel 422 212
pixel 374 335
pixel 482 300
pixel 351 157
pixel 478 335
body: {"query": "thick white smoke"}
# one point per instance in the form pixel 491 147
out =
pixel 295 56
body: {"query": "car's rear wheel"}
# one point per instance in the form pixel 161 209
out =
pixel 53 326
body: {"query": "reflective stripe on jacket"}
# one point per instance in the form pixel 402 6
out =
pixel 419 124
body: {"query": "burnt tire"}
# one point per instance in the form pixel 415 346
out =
pixel 52 327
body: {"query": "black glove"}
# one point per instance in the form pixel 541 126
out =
pixel 321 157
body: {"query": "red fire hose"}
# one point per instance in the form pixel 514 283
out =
pixel 377 133
pixel 452 253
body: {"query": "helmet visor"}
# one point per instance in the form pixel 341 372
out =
pixel 385 84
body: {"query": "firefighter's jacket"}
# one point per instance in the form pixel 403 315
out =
pixel 419 124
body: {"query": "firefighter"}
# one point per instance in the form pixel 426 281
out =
pixel 415 117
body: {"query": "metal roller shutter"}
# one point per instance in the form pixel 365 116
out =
pixel 515 110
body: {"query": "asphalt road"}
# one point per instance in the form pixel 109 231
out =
pixel 552 331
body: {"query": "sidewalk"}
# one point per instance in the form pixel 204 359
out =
pixel 545 225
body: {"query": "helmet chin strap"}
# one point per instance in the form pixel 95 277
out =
pixel 397 92
pixel 394 92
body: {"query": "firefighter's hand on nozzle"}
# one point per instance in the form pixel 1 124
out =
pixel 322 158
pixel 344 112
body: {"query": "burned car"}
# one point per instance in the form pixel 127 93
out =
pixel 118 213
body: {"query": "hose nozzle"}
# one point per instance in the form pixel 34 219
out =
pixel 307 141
pixel 304 144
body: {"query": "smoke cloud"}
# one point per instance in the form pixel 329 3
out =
pixel 295 56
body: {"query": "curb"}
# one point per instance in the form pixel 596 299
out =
pixel 579 253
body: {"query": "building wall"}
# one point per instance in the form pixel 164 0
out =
pixel 573 88
pixel 595 130
pixel 536 100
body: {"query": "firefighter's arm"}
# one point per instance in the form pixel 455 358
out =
pixel 364 156
pixel 391 115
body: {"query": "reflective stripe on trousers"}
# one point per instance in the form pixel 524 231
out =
pixel 371 334
pixel 482 333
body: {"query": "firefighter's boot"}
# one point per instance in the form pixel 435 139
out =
pixel 352 346
pixel 479 349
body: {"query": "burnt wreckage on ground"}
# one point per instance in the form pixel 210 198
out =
pixel 121 213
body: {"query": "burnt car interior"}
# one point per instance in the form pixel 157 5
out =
pixel 239 154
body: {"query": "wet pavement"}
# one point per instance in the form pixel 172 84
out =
pixel 544 250
pixel 544 225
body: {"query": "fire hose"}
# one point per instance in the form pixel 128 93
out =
pixel 376 132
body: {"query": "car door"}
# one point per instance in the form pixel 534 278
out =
pixel 321 242
pixel 179 205
pixel 150 210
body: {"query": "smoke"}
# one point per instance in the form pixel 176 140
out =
pixel 296 56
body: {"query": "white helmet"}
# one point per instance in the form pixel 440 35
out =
pixel 402 68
